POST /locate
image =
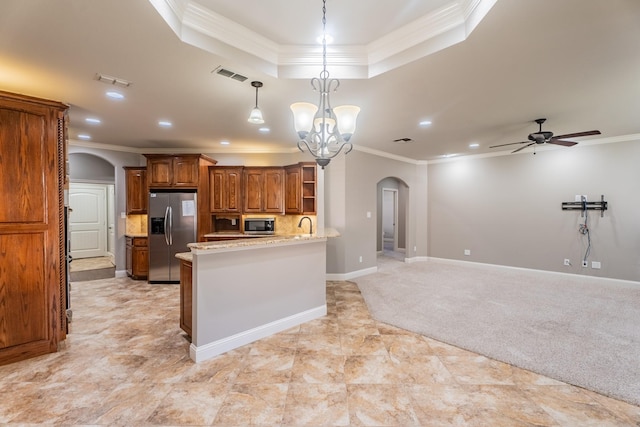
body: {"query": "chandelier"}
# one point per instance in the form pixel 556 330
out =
pixel 324 131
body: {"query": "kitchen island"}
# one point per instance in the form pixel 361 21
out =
pixel 247 289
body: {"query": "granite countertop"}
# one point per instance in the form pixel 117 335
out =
pixel 243 243
pixel 185 256
pixel 235 234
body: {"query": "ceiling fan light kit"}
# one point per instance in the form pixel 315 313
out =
pixel 546 137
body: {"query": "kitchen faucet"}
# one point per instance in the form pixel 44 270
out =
pixel 310 224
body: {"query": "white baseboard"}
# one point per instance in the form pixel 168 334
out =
pixel 351 274
pixel 416 259
pixel 121 273
pixel 532 270
pixel 207 351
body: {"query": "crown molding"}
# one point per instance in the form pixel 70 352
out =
pixel 635 137
pixel 201 27
pixel 151 150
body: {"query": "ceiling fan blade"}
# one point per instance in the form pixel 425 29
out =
pixel 578 134
pixel 522 148
pixel 561 142
pixel 511 143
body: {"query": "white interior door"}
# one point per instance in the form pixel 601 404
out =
pixel 111 221
pixel 389 219
pixel 87 220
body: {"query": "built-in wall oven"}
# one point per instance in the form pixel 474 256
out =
pixel 259 225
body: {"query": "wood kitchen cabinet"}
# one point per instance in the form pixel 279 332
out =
pixel 263 190
pixel 137 190
pixel 175 171
pixel 137 257
pixel 300 188
pixel 225 189
pixel 187 172
pixel 186 296
pixel 32 244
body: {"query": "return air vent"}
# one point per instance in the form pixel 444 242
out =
pixel 226 73
pixel 116 81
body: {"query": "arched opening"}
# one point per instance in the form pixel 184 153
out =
pixel 392 200
pixel 91 219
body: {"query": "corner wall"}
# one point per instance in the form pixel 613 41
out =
pixel 118 159
pixel 351 191
pixel 507 210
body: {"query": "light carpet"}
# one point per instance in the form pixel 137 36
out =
pixel 579 330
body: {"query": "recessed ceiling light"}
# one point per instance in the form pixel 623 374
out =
pixel 425 123
pixel 84 136
pixel 93 120
pixel 264 130
pixel 224 143
pixel 165 123
pixel 474 145
pixel 115 95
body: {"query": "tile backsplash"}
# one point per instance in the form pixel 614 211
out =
pixel 136 225
pixel 288 224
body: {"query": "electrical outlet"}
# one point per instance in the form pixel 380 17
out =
pixel 595 264
pixel 360 258
pixel 567 261
pixel 585 264
pixel 467 252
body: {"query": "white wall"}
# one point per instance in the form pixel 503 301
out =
pixel 507 209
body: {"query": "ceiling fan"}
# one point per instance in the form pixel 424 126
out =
pixel 546 137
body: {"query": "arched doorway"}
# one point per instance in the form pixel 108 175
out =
pixel 392 199
pixel 91 199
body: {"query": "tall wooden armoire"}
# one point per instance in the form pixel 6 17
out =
pixel 32 254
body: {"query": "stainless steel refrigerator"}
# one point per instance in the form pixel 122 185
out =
pixel 172 225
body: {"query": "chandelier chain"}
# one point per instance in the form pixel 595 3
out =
pixel 325 73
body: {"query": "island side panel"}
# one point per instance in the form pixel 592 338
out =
pixel 240 294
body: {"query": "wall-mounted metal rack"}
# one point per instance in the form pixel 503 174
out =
pixel 585 205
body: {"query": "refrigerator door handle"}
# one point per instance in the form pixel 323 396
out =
pixel 166 223
pixel 170 225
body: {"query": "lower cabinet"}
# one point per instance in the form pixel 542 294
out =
pixel 137 254
pixel 186 296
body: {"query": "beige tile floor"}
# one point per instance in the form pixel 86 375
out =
pixel 126 362
pixel 84 264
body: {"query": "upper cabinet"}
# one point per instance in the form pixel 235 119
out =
pixel 185 172
pixel 175 171
pixel 263 190
pixel 225 187
pixel 300 188
pixel 136 184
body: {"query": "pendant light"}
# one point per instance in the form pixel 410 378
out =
pixel 256 115
pixel 324 131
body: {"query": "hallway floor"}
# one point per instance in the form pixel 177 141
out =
pixel 125 362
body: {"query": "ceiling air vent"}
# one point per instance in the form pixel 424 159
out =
pixel 116 81
pixel 230 74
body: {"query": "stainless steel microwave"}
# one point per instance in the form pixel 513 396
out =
pixel 259 225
